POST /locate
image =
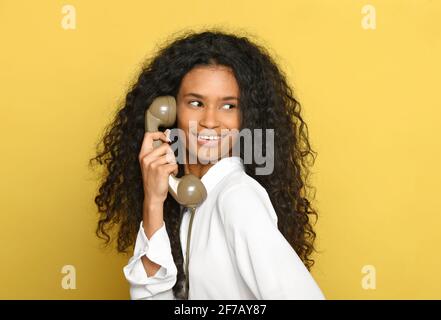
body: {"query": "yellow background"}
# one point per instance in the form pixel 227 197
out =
pixel 370 98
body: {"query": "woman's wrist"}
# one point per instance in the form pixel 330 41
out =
pixel 152 217
pixel 153 202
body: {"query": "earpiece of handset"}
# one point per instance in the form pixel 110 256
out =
pixel 189 190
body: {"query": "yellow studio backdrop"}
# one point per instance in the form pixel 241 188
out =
pixel 366 72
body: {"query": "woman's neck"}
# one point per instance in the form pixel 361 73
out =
pixel 197 169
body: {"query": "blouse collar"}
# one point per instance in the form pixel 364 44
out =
pixel 221 169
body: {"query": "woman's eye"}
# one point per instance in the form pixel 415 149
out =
pixel 194 102
pixel 232 106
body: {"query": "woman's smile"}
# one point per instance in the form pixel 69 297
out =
pixel 209 140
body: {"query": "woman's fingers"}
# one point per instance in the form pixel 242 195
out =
pixel 149 137
pixel 164 159
pixel 160 151
pixel 171 168
pixel 157 152
pixel 163 163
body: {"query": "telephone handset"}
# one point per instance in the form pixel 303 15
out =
pixel 188 190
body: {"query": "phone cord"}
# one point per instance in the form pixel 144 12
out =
pixel 187 252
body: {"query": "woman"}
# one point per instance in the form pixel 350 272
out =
pixel 252 237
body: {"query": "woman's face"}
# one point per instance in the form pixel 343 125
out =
pixel 207 111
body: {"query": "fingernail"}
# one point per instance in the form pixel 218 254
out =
pixel 167 134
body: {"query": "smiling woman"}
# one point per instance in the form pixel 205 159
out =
pixel 214 110
pixel 252 236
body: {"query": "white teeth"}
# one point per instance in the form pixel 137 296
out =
pixel 209 137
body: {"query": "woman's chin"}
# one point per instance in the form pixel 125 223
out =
pixel 206 155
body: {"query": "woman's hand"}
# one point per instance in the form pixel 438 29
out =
pixel 156 166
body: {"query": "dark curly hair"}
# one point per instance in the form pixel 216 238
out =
pixel 266 101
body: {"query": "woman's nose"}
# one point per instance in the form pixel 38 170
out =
pixel 210 118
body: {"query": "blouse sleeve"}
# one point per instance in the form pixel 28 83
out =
pixel 266 261
pixel 157 249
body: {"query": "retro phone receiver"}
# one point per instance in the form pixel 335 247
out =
pixel 188 190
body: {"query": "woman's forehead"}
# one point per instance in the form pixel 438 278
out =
pixel 210 81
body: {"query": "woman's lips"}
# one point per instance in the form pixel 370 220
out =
pixel 208 142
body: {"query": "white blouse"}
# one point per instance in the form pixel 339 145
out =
pixel 236 250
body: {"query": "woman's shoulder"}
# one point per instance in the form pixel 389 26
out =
pixel 239 182
pixel 242 197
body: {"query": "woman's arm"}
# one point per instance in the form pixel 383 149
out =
pixel 265 259
pixel 152 221
pixel 151 272
pixel 157 250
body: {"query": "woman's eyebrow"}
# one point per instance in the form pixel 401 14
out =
pixel 202 97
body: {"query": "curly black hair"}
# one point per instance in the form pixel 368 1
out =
pixel 266 102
